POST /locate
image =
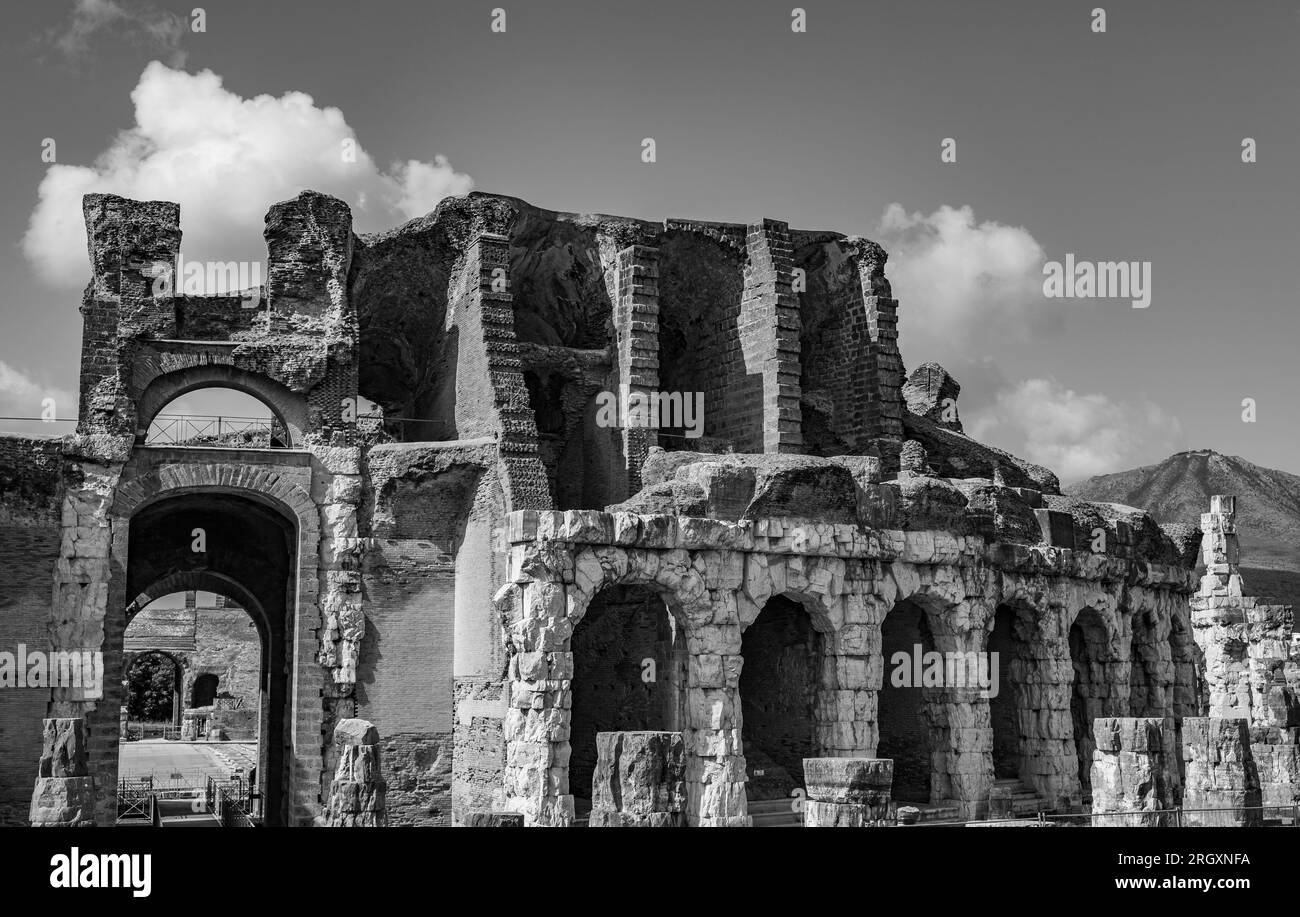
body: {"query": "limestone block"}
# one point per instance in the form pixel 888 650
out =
pixel 640 779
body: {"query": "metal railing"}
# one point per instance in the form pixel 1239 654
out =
pixel 135 799
pixel 217 430
pixel 231 810
pixel 1224 816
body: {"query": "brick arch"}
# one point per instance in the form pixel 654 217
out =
pixel 255 483
pixel 204 581
pixel 289 407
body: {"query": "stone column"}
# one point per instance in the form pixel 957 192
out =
pixel 357 794
pixel 640 780
pixel 64 796
pixel 1219 773
pixel 847 792
pixel 1130 771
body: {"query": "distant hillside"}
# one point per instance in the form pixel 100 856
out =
pixel 1179 488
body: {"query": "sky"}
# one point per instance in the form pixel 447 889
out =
pixel 1117 145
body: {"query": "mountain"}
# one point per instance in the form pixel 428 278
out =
pixel 1179 489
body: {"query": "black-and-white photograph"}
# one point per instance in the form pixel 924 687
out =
pixel 709 414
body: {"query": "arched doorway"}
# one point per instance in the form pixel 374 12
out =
pixel 909 706
pixel 783 656
pixel 244 547
pixel 1092 689
pixel 1010 640
pixel 204 691
pixel 629 674
pixel 153 689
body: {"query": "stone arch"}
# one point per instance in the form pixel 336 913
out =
pixel 630 673
pixel 1099 679
pixel 552 592
pixel 289 760
pixel 287 406
pixel 203 692
pixel 912 720
pixel 1022 664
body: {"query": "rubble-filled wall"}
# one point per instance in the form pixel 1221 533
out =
pixel 432 513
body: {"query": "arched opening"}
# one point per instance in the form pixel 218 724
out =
pixel 1091 690
pixel 1010 705
pixel 1146 693
pixel 783 655
pixel 910 703
pixel 214 683
pixel 204 691
pixel 219 543
pixel 629 674
pixel 153 693
pixel 217 416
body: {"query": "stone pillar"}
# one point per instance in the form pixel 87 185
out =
pixel 357 794
pixel 640 780
pixel 1277 761
pixel 1219 773
pixel 636 331
pixel 885 388
pixel 1131 772
pixel 847 792
pixel 190 726
pixel 769 338
pixel 64 796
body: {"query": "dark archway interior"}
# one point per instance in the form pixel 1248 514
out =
pixel 1088 656
pixel 225 536
pixel 782 653
pixel 1003 705
pixel 629 674
pixel 204 691
pixel 905 710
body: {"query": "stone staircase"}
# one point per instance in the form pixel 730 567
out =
pixel 1025 802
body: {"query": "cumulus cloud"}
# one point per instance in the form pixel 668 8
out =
pixel 1076 435
pixel 23 396
pixel 225 159
pixel 962 283
pixel 143 25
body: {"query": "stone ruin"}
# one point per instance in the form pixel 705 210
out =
pixel 500 577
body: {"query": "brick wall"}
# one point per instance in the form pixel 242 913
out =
pixel 30 504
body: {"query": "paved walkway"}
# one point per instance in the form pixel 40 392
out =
pixel 193 761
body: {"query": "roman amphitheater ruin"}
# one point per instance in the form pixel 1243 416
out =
pixel 481 602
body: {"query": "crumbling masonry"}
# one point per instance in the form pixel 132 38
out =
pixel 530 608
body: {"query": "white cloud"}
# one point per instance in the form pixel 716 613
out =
pixel 226 159
pixel 138 23
pixel 1076 435
pixel 960 283
pixel 23 396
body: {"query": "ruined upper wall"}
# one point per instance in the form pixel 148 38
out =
pixel 148 338
pixel 789 335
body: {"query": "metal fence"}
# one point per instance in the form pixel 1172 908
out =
pixel 1287 816
pixel 217 430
